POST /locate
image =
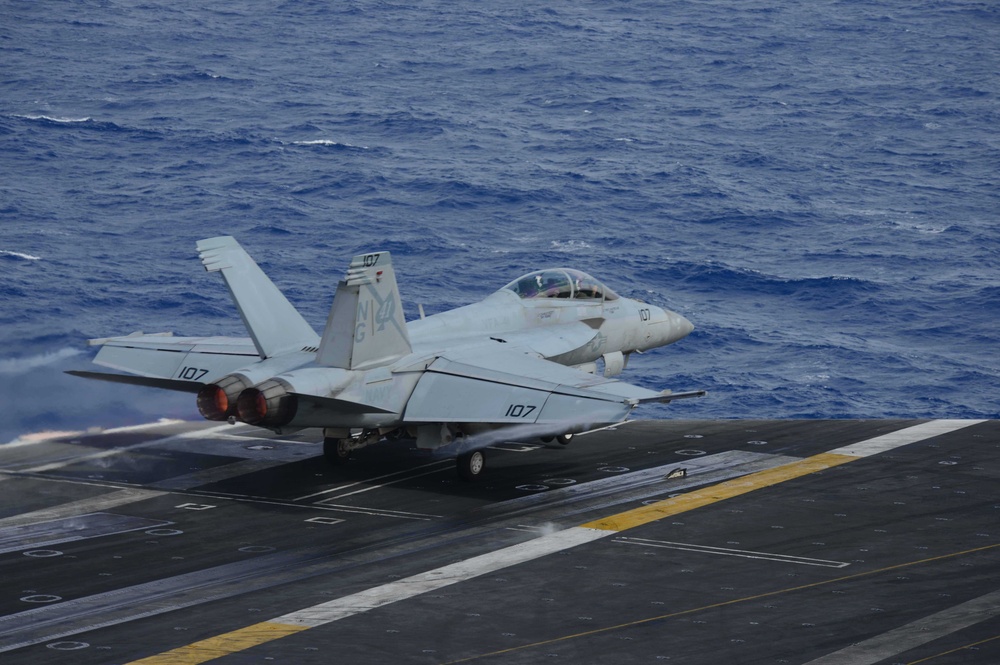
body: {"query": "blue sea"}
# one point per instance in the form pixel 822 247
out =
pixel 816 185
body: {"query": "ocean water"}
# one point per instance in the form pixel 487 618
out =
pixel 816 185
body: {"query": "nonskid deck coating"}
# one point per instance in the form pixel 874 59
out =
pixel 908 528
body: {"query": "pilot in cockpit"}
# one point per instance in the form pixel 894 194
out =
pixel 560 283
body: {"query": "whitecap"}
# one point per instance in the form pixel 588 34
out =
pixel 316 142
pixel 918 227
pixel 20 255
pixel 49 118
pixel 328 142
pixel 15 366
pixel 570 245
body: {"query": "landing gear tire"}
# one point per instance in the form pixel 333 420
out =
pixel 335 451
pixel 564 439
pixel 470 465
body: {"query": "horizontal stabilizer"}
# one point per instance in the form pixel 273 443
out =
pixel 668 396
pixel 198 360
pixel 149 381
pixel 138 333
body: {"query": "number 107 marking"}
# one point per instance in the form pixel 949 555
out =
pixel 519 410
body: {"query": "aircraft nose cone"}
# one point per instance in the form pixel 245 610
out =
pixel 677 327
pixel 683 326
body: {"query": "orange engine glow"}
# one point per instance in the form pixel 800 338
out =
pixel 252 406
pixel 269 404
pixel 213 403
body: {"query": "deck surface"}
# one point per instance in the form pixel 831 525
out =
pixel 800 542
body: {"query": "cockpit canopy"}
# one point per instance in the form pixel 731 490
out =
pixel 560 283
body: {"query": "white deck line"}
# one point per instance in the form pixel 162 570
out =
pixel 915 634
pixel 903 437
pixel 725 551
pixel 415 585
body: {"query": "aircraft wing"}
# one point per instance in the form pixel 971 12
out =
pixel 175 363
pixel 506 386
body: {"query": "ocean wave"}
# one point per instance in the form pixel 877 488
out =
pixel 327 143
pixel 451 194
pixel 185 77
pixel 719 277
pixel 86 123
pixel 830 215
pixel 19 255
pixel 271 230
pixel 570 246
pixel 17 366
pixel 926 227
pixel 48 118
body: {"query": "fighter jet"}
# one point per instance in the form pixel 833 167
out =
pixel 535 359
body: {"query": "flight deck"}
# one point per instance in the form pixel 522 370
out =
pixel 698 542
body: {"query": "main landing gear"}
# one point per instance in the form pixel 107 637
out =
pixel 335 451
pixel 470 465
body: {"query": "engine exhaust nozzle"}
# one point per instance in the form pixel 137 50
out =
pixel 269 404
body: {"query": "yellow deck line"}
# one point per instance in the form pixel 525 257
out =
pixel 223 645
pixel 726 490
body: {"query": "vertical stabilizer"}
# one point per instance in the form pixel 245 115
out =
pixel 366 326
pixel 275 326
